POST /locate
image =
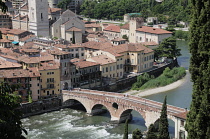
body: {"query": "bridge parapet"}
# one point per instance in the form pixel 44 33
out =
pixel 124 104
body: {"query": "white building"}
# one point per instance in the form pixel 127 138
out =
pixel 38 15
pixel 66 25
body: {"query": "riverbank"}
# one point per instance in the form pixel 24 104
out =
pixel 148 92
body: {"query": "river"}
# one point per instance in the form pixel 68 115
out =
pixel 73 124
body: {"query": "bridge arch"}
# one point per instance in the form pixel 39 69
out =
pixel 73 101
pixel 126 114
pixel 99 106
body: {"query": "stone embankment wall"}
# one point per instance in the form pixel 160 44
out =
pixel 126 83
pixel 43 106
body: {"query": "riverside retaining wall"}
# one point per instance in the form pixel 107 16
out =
pixel 126 83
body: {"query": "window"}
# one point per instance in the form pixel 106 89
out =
pixel 41 16
pixel 107 69
pixel 48 92
pixel 117 66
pixel 38 84
pixel 110 68
pixel 37 91
pixel 182 122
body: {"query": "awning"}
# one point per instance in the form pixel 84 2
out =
pixel 15 42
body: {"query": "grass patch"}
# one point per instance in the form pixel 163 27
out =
pixel 169 76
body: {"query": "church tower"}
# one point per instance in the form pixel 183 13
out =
pixel 38 17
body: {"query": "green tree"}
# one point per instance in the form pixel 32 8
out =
pixel 125 136
pixel 3 6
pixel 10 115
pixel 64 4
pixel 125 37
pixel 168 48
pixel 163 122
pixel 73 37
pixel 151 134
pixel 0 35
pixel 137 134
pixel 198 118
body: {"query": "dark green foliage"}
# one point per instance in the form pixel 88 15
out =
pixel 10 115
pixel 168 48
pixel 176 10
pixel 141 79
pixel 198 118
pixel 125 136
pixel 0 35
pixel 3 6
pixel 137 134
pixel 182 34
pixel 151 134
pixel 64 4
pixel 168 77
pixel 73 38
pixel 125 37
pixel 163 122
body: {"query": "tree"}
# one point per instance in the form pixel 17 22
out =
pixel 163 122
pixel 10 115
pixel 73 38
pixel 0 35
pixel 198 118
pixel 151 134
pixel 125 136
pixel 125 37
pixel 64 4
pixel 137 134
pixel 3 6
pixel 168 48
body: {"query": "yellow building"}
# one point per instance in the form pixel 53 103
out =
pixel 49 79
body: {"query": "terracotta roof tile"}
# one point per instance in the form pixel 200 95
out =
pixel 92 25
pixel 4 40
pixel 126 26
pixel 18 73
pixel 153 30
pixel 103 59
pixel 6 64
pixel 53 10
pixel 149 43
pixel 113 28
pixel 84 64
pixel 49 66
pixel 118 39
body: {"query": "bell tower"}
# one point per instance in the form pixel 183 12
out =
pixel 38 17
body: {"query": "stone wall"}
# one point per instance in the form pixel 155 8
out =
pixel 126 83
pixel 39 107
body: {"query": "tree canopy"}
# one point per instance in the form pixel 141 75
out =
pixel 137 134
pixel 10 115
pixel 167 48
pixel 198 118
pixel 176 10
pixel 3 6
pixel 64 4
pixel 163 122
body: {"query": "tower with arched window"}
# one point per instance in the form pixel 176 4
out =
pixel 38 17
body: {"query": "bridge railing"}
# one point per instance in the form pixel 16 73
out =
pixel 142 101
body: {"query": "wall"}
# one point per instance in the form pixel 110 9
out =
pixel 39 107
pixel 126 83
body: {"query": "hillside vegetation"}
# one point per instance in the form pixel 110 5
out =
pixel 169 11
pixel 169 76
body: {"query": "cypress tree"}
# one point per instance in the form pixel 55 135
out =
pixel 198 118
pixel 125 136
pixel 163 122
pixel 151 132
pixel 137 134
pixel 0 35
pixel 73 37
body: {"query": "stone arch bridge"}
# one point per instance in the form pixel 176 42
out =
pixel 121 105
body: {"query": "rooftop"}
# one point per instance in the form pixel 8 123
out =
pixel 153 30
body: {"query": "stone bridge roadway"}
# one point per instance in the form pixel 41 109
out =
pixel 121 105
